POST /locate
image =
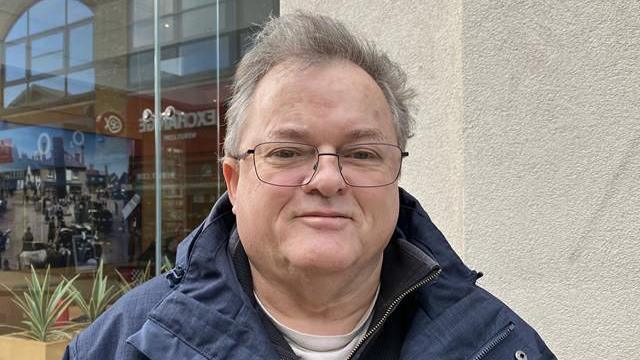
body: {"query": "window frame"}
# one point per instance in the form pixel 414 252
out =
pixel 29 77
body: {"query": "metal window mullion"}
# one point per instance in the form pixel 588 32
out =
pixel 27 71
pixel 66 53
pixel 218 149
pixel 157 132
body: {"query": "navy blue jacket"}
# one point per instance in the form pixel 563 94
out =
pixel 208 315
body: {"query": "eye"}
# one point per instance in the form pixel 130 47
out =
pixel 361 153
pixel 284 153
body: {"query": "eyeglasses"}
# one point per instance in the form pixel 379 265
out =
pixel 295 164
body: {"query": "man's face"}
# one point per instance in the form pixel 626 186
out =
pixel 325 226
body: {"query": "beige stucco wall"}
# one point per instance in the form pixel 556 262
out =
pixel 426 42
pixel 528 151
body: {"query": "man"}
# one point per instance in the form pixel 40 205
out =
pixel 315 252
pixel 27 240
pixel 5 240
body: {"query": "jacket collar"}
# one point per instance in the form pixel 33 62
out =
pixel 210 315
pixel 207 315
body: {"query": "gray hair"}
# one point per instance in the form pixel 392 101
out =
pixel 308 39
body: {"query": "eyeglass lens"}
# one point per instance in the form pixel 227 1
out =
pixel 294 164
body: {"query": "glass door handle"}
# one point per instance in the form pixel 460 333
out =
pixel 168 113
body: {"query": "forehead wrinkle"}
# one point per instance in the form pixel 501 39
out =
pixel 355 135
pixel 287 134
pixel 370 134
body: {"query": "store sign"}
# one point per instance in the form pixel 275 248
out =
pixel 188 120
pixel 126 211
pixel 5 151
pixel 111 122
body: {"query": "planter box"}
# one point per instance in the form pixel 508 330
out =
pixel 14 347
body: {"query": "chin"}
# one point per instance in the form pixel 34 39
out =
pixel 322 258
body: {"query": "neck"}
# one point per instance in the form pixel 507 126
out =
pixel 318 304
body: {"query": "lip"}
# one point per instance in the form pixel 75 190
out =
pixel 324 214
pixel 324 220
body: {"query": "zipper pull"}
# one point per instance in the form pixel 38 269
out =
pixel 175 276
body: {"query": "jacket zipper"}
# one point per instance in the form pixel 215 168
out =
pixel 503 334
pixel 429 278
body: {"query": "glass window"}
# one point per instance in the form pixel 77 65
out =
pixel 48 89
pixel 197 56
pixel 45 15
pixel 46 63
pixel 15 60
pixel 77 164
pixel 143 9
pixel 52 85
pixel 19 29
pixel 171 62
pixel 47 44
pixel 199 22
pixel 12 93
pixel 77 11
pixel 81 45
pixel 190 4
pixel 52 37
pixel 167 29
pixel 142 33
pixel 81 82
pixel 141 68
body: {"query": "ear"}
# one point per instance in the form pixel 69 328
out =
pixel 231 172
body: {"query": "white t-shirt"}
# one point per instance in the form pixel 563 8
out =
pixel 319 347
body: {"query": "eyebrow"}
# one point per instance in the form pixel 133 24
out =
pixel 368 134
pixel 288 134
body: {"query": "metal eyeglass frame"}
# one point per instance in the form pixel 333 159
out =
pixel 403 154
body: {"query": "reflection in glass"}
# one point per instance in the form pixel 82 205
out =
pixel 143 32
pixel 171 63
pixel 11 93
pixel 47 89
pixel 167 26
pixel 46 54
pixel 46 15
pixel 81 82
pixel 81 45
pixel 197 22
pixel 46 63
pixel 197 56
pixel 45 40
pixel 15 62
pixel 143 9
pixel 47 44
pixel 19 29
pixel 140 68
pixel 76 159
pixel 190 4
pixel 77 11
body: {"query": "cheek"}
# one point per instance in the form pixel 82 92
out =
pixel 258 207
pixel 380 210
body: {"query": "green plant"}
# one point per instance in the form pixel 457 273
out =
pixel 42 307
pixel 101 296
pixel 126 285
pixel 166 264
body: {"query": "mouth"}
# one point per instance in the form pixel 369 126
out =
pixel 324 214
pixel 324 220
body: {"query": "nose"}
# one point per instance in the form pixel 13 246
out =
pixel 326 180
